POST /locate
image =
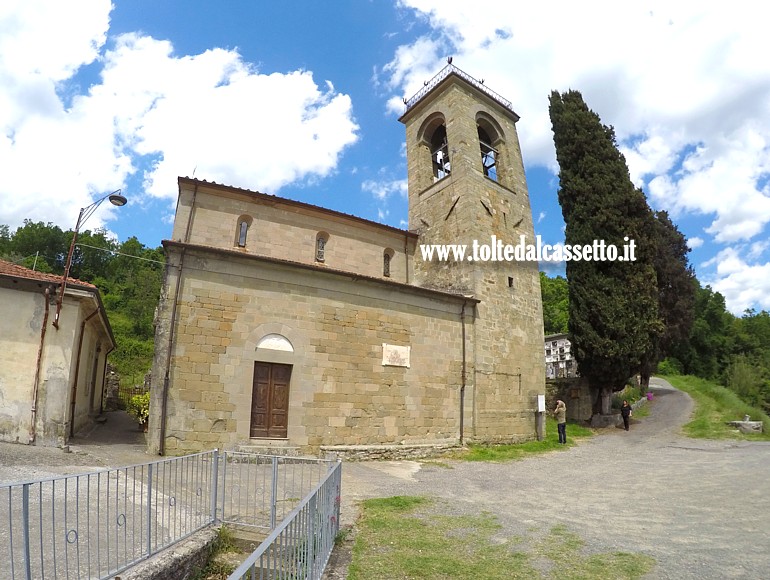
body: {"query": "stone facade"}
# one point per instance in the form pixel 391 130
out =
pixel 575 393
pixel 381 347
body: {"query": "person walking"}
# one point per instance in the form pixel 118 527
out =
pixel 625 412
pixel 560 412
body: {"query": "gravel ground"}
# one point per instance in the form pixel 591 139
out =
pixel 115 443
pixel 700 508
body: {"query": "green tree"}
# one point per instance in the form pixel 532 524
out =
pixel 5 240
pixel 92 255
pixel 44 240
pixel 705 353
pixel 613 306
pixel 555 294
pixel 676 294
pixel 128 275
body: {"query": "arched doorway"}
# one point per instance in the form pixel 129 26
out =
pixel 270 391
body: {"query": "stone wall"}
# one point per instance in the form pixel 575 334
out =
pixel 287 230
pixel 340 392
pixel 386 452
pixel 575 394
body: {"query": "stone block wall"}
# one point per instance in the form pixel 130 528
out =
pixel 340 391
pixel 287 230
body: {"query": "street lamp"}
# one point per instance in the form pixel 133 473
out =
pixel 115 199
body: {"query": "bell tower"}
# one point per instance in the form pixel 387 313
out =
pixel 467 187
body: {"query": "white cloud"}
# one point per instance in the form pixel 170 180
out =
pixel 742 284
pixel 685 85
pixel 382 189
pixel 211 113
pixel 693 243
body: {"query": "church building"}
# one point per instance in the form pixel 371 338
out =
pixel 284 324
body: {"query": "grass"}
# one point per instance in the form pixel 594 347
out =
pixel 566 550
pixel 408 537
pixel 215 568
pixel 641 411
pixel 479 452
pixel 715 405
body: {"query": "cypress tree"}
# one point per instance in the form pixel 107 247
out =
pixel 613 305
pixel 676 293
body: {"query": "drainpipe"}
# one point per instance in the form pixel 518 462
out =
pixel 77 371
pixel 36 384
pixel 104 380
pixel 406 256
pixel 167 375
pixel 462 386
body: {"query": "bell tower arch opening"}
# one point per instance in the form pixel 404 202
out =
pixel 491 142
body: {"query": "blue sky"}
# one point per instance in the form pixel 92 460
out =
pixel 301 99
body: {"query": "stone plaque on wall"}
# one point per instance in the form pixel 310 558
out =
pixel 395 356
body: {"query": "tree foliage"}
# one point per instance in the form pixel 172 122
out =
pixel 613 305
pixel 128 275
pixel 555 294
pixel 676 286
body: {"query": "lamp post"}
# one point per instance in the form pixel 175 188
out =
pixel 115 199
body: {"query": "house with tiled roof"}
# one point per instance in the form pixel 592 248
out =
pixel 51 376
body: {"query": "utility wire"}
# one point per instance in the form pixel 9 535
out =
pixel 120 253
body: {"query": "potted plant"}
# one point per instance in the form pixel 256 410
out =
pixel 139 408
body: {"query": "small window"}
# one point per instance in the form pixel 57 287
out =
pixel 320 246
pixel 387 256
pixel 510 282
pixel 242 230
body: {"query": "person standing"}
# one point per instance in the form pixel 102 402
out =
pixel 561 420
pixel 625 412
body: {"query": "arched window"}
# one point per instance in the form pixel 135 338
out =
pixel 439 153
pixel 488 155
pixel 387 256
pixel 320 246
pixel 242 230
pixel 491 144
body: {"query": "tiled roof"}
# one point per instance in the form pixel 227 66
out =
pixel 11 270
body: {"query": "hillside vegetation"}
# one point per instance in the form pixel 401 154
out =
pixel 715 406
pixel 128 275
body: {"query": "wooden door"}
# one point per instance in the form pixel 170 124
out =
pixel 270 400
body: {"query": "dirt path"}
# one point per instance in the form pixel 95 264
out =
pixel 700 508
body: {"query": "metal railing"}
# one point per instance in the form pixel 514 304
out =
pixel 95 525
pixel 444 73
pixel 260 490
pixel 300 547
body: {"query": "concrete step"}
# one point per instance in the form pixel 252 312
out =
pixel 270 447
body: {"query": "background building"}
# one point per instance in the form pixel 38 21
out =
pixel 51 380
pixel 559 362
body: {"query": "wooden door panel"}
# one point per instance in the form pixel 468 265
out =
pixel 279 405
pixel 270 400
pixel 260 396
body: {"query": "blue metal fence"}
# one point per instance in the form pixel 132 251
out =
pixel 300 546
pixel 95 525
